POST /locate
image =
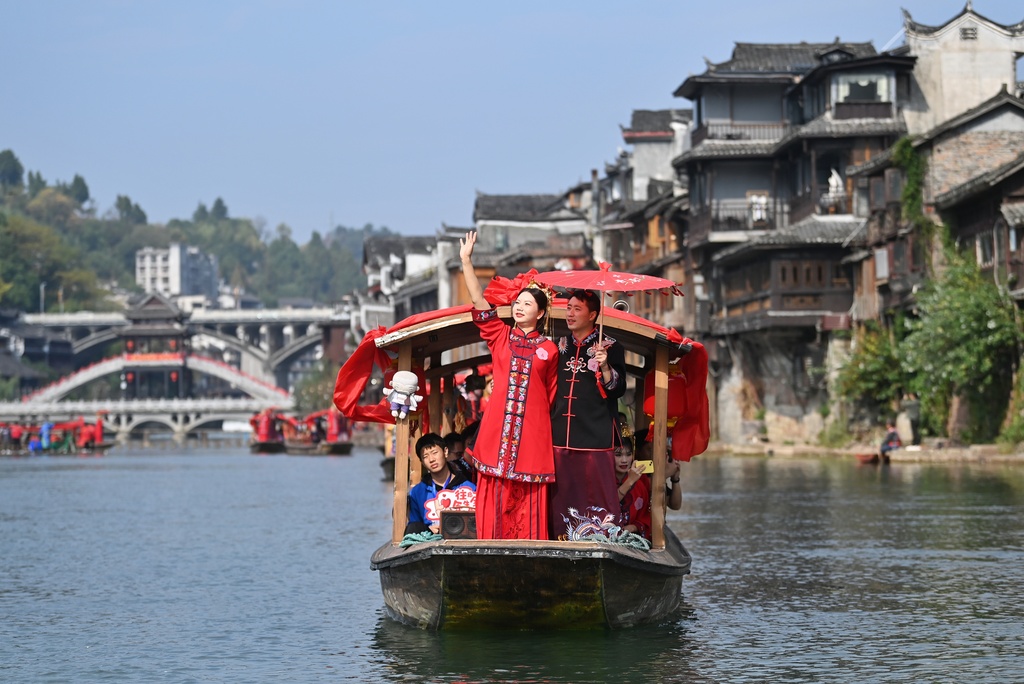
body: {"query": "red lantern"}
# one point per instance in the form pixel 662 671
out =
pixel 676 394
pixel 129 376
pixel 174 376
pixel 130 344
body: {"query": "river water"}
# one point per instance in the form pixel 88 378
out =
pixel 220 566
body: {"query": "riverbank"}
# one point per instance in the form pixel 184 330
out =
pixel 929 453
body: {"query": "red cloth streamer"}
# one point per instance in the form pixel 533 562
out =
pixel 692 430
pixel 355 374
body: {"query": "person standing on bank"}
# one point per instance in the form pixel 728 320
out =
pixel 512 452
pixel 591 378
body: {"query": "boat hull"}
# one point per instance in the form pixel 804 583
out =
pixel 515 585
pixel 300 448
pixel 266 447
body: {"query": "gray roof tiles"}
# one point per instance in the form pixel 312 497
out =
pixel 516 207
pixel 842 230
pixel 788 58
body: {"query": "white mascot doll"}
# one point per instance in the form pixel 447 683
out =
pixel 402 393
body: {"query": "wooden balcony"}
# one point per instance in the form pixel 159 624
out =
pixel 735 216
pixel 765 132
pixel 862 110
pixel 781 309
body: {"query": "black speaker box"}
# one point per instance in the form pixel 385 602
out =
pixel 458 524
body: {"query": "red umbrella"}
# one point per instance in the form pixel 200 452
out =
pixel 606 280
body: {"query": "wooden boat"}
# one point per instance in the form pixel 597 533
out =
pixel 333 429
pixel 268 432
pixel 68 437
pixel 872 458
pixel 522 584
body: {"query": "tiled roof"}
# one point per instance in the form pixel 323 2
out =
pixel 515 207
pixel 844 230
pixel 827 127
pixel 793 58
pixel 646 122
pixel 1000 99
pixel 912 26
pixel 715 149
pixel 979 183
pixel 882 161
pixel 11 367
pixel 378 250
pixel 1013 213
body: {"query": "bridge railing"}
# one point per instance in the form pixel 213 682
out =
pixel 73 409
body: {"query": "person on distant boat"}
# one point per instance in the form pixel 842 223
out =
pixel 891 441
pixel 634 491
pixel 512 452
pixel 440 488
pixel 584 418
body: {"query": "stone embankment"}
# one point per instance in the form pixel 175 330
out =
pixel 937 452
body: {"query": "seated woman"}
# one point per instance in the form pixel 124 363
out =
pixel 634 491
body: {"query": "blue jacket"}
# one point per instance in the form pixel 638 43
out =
pixel 423 505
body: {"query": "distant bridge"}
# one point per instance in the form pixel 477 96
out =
pixel 180 416
pixel 254 387
pixel 267 341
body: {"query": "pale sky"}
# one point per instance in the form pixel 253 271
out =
pixel 392 113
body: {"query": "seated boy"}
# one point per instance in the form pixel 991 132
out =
pixel 440 488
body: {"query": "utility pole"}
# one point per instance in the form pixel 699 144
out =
pixel 42 297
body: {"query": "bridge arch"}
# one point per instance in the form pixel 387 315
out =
pixel 137 423
pixel 254 387
pixel 89 342
pixel 240 346
pixel 286 355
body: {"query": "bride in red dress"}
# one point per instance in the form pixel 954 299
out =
pixel 513 452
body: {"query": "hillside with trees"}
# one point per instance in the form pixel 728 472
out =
pixel 54 241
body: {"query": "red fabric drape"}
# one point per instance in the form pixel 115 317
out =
pixel 692 430
pixel 356 373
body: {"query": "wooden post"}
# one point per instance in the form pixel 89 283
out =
pixel 660 448
pixel 434 400
pixel 400 507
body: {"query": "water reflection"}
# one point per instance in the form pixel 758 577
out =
pixel 664 652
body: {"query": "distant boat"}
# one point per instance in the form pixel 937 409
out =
pixel 267 432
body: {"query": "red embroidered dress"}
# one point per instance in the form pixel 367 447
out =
pixel 583 422
pixel 513 452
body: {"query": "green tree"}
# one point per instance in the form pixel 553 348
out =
pixel 201 214
pixel 318 270
pixel 78 190
pixel 219 210
pixel 11 170
pixel 962 347
pixel 52 207
pixel 873 377
pixel 283 270
pixel 36 183
pixel 35 253
pixel 129 212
